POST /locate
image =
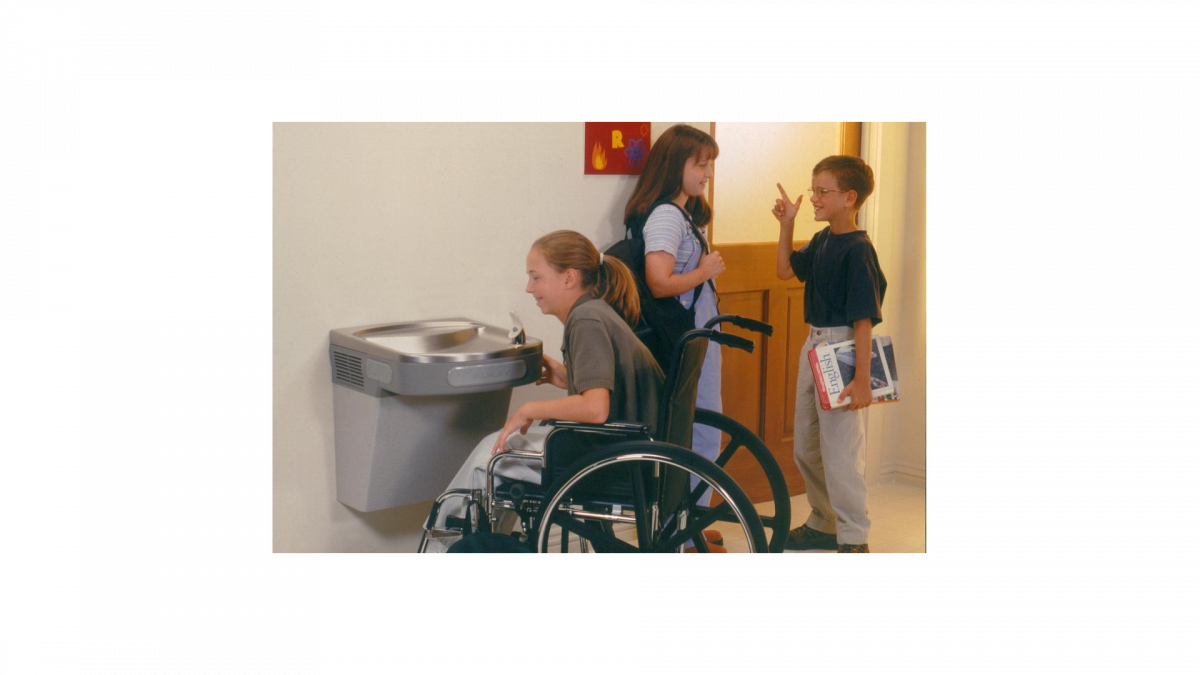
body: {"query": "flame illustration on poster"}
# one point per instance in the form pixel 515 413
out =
pixel 615 148
pixel 599 158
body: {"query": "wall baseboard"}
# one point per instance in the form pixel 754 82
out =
pixel 901 472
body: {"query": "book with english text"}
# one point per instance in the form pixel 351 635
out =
pixel 833 368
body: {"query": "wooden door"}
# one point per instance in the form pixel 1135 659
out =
pixel 759 390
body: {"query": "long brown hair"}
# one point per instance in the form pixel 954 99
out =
pixel 662 177
pixel 613 282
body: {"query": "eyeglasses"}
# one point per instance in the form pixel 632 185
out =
pixel 821 192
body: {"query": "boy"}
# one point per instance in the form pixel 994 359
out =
pixel 843 293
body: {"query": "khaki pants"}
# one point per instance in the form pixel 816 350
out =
pixel 831 451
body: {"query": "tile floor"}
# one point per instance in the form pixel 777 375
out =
pixel 897 512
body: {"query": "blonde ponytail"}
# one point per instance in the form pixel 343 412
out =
pixel 620 290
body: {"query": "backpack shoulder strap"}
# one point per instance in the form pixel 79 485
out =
pixel 699 237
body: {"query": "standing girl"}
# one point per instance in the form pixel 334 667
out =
pixel 668 210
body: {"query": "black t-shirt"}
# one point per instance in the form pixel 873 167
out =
pixel 842 279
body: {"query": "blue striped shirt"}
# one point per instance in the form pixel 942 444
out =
pixel 667 230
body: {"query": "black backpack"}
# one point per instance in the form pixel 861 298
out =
pixel 663 320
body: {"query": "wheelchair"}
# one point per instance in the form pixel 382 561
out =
pixel 616 488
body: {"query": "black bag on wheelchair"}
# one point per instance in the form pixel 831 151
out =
pixel 562 449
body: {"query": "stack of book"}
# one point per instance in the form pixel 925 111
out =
pixel 833 369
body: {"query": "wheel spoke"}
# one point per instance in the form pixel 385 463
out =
pixel 722 459
pixel 772 522
pixel 734 445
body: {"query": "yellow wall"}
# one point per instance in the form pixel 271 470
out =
pixel 754 157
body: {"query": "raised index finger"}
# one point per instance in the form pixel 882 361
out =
pixel 784 193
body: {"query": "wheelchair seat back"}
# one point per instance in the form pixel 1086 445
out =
pixel 677 409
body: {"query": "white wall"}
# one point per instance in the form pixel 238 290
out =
pixel 391 222
pixel 895 218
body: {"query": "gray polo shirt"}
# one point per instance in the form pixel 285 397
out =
pixel 601 351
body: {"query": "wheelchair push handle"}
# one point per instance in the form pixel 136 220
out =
pixel 732 341
pixel 741 322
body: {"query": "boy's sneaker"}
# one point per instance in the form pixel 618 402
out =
pixel 853 548
pixel 804 538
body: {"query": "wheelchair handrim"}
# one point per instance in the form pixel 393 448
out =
pixel 543 527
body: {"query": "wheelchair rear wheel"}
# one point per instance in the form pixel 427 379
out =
pixel 743 442
pixel 661 514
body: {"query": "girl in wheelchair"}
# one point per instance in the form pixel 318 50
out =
pixel 608 373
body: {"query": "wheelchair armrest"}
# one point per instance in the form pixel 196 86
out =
pixel 622 428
